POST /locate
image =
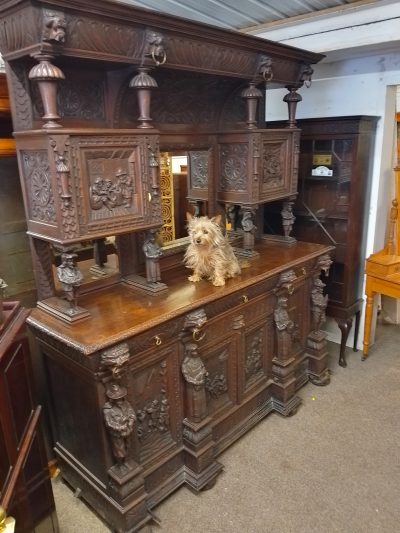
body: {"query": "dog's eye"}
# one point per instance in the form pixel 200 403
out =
pixel 205 231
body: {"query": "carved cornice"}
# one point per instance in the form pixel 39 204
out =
pixel 98 28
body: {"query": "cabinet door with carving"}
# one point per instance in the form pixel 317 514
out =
pixel 154 391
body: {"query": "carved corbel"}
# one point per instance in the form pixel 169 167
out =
pixel 47 76
pixel 54 28
pixel 265 68
pixel 154 47
pixel 193 326
pixel 286 282
pixel 113 359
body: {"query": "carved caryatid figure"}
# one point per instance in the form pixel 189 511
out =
pixel 284 327
pixel 249 229
pixel 193 368
pixel 70 277
pixel 120 419
pixel 288 218
pixel 319 303
pixel 152 252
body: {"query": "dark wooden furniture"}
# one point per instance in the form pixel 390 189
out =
pixel 198 365
pixel 382 268
pixel 25 488
pixel 335 168
pixel 148 381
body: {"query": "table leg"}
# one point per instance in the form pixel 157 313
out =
pixel 345 327
pixel 356 330
pixel 367 325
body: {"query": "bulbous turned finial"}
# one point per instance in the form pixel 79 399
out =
pixel 47 75
pixel 144 83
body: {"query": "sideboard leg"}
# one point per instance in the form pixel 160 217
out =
pixel 345 327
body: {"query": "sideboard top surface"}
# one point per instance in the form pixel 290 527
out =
pixel 119 312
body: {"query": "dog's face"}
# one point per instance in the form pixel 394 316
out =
pixel 204 231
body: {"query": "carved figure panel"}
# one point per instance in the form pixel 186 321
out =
pixel 219 383
pixel 273 166
pixel 38 185
pixel 155 406
pixel 233 166
pixel 113 175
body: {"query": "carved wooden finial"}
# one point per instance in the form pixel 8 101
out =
pixel 144 83
pixel 47 75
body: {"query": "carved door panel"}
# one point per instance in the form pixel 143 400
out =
pixel 154 391
pixel 219 354
pixel 79 187
pixel 199 174
pixel 255 356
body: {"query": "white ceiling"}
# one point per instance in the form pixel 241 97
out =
pixel 247 15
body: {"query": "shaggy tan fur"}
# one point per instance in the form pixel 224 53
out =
pixel 209 253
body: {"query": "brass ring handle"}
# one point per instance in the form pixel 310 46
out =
pixel 198 335
pixel 245 298
pixel 158 340
pixel 163 58
pixel 303 271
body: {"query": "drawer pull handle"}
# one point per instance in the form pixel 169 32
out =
pixel 198 335
pixel 303 271
pixel 158 340
pixel 245 298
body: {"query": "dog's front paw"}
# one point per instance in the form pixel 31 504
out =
pixel 194 277
pixel 218 282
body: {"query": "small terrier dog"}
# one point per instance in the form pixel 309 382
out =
pixel 209 253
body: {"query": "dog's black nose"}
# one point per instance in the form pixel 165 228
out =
pixel 198 241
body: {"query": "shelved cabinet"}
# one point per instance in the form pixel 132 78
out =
pixel 335 167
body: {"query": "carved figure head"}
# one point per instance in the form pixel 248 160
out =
pixel 54 29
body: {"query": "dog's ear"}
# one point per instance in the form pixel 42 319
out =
pixel 216 220
pixel 189 217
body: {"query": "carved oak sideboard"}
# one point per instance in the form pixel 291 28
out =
pixel 145 395
pixel 149 376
